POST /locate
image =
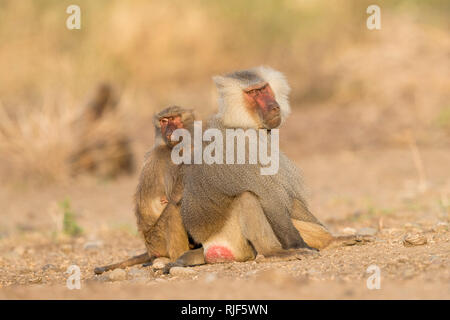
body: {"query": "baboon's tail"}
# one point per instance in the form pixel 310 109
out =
pixel 142 258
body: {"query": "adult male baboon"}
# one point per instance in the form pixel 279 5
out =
pixel 233 210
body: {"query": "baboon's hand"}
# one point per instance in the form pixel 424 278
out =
pixel 170 265
pixel 164 200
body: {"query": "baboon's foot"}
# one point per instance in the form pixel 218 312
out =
pixel 170 265
pixel 188 259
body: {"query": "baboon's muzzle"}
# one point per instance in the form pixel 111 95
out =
pixel 168 134
pixel 269 111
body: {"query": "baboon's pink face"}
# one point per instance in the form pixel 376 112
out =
pixel 261 103
pixel 168 126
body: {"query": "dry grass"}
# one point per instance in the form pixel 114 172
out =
pixel 36 142
pixel 53 143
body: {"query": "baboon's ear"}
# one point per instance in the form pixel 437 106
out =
pixel 219 81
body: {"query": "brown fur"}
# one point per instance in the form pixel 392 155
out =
pixel 160 181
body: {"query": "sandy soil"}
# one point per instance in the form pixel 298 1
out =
pixel 350 186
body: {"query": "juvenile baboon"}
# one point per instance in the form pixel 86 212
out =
pixel 158 194
pixel 233 210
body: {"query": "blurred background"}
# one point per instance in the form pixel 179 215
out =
pixel 366 87
pixel 371 112
pixel 370 128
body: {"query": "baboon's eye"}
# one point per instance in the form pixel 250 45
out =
pixel 164 121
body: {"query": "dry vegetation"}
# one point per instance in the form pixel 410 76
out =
pixel 370 129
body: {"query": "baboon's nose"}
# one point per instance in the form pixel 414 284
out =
pixel 273 106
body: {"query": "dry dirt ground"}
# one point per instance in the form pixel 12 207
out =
pixel 375 186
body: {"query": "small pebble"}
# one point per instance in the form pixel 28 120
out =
pixel 435 260
pixel 35 280
pixel 102 278
pixel 118 275
pixel 50 266
pixel 410 240
pixel 210 277
pixel 96 244
pixel 367 231
pixel 160 263
pixel 19 250
pixel 180 271
pixel 349 231
pixel 259 258
pixel 275 276
pixel 251 273
pixel 402 259
pixel 137 273
pixel 66 248
pixel 441 227
pixel 409 273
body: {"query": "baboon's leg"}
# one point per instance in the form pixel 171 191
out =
pixel 247 232
pixel 254 225
pixel 155 238
pixel 177 240
pixel 156 246
pixel 142 258
pixel 257 230
pixel 167 237
pixel 229 243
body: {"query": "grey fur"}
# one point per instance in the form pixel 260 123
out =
pixel 210 189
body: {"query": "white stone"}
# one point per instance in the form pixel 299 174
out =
pixel 349 231
pixel 160 263
pixel 117 275
pixel 181 271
